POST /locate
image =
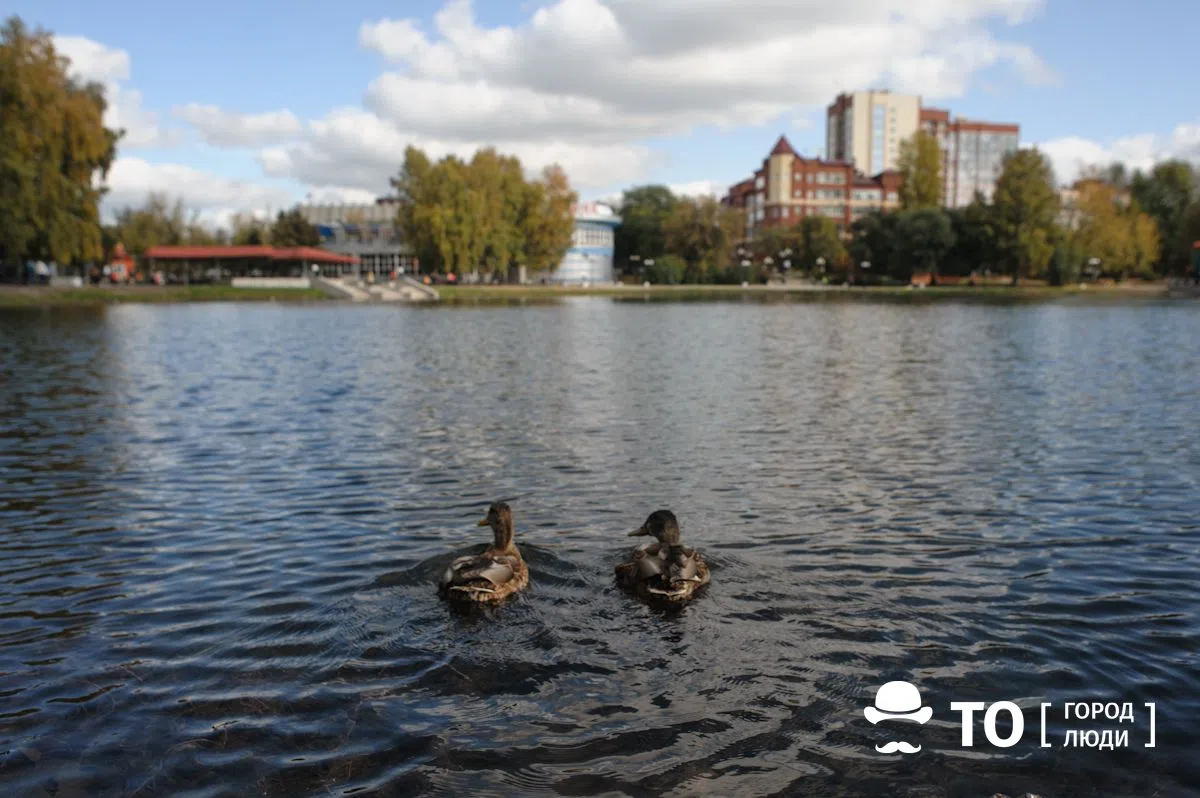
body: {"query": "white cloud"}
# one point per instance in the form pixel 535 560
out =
pixel 1070 155
pixel 698 188
pixel 230 129
pixel 131 179
pixel 356 149
pixel 92 61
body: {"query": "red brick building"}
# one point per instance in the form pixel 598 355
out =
pixel 790 187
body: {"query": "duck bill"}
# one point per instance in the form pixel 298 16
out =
pixel 640 531
pixel 482 522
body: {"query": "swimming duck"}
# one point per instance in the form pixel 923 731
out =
pixel 663 570
pixel 496 573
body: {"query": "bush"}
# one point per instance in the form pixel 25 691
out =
pixel 666 270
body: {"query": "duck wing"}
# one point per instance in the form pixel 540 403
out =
pixel 496 570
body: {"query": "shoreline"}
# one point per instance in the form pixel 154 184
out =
pixel 22 296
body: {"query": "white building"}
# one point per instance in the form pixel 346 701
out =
pixel 865 128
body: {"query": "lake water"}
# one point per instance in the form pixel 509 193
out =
pixel 222 525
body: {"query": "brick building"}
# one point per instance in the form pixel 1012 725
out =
pixel 790 187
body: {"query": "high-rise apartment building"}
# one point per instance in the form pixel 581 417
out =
pixel 866 128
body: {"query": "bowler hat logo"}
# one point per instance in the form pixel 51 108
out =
pixel 898 701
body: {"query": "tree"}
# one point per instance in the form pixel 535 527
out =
pixel 703 232
pixel 921 167
pixel 819 240
pixel 1025 207
pixel 291 229
pixel 1102 233
pixel 666 270
pixel 159 222
pixel 644 212
pixel 461 216
pixel 974 238
pixel 1145 244
pixel 54 153
pixel 547 222
pixel 250 232
pixel 1166 194
pixel 874 240
pixel 923 237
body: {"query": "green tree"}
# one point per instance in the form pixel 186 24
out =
pixel 1025 208
pixel 159 222
pixel 547 221
pixel 703 232
pixel 921 167
pixel 1145 243
pixel 461 216
pixel 874 240
pixel 666 270
pixel 1166 194
pixel 291 229
pixel 974 239
pixel 250 232
pixel 923 239
pixel 54 153
pixel 644 212
pixel 820 240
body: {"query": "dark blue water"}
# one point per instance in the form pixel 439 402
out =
pixel 222 524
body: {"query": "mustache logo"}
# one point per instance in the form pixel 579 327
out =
pixel 891 748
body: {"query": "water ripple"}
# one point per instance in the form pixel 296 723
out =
pixel 224 522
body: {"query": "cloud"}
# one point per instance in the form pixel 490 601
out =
pixel 1071 154
pixel 590 84
pixel 230 129
pixel 698 188
pixel 587 83
pixel 131 179
pixel 93 61
pixel 357 149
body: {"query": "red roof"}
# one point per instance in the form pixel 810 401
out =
pixel 782 147
pixel 267 253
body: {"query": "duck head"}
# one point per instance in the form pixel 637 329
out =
pixel 661 525
pixel 500 519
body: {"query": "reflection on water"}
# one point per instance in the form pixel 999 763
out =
pixel 223 524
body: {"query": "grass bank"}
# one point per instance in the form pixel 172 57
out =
pixel 467 294
pixel 44 296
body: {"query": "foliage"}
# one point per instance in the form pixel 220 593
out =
pixel 1166 194
pixel 250 232
pixel 921 167
pixel 291 229
pixel 974 239
pixel 464 216
pixel 665 270
pixel 924 237
pixel 1025 206
pixel 54 151
pixel 874 240
pixel 820 240
pixel 644 212
pixel 703 232
pixel 1124 239
pixel 159 222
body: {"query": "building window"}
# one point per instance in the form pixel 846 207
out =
pixel 759 182
pixel 892 196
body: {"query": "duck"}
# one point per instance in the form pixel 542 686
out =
pixel 663 570
pixel 494 575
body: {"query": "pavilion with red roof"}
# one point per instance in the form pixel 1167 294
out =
pixel 217 264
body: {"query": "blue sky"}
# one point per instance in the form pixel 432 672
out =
pixel 239 106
